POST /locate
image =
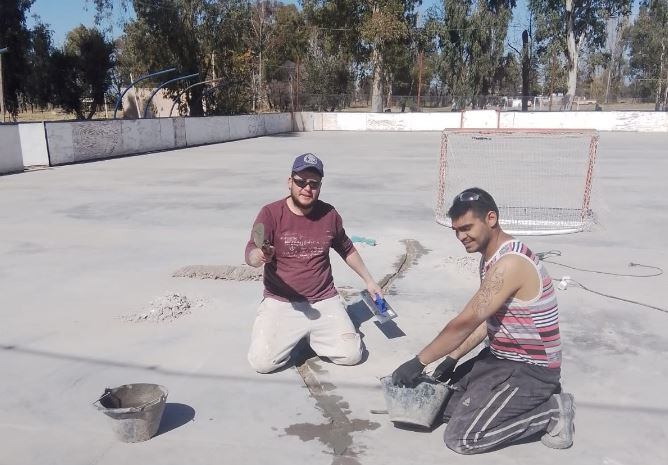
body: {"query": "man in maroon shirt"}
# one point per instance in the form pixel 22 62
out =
pixel 299 295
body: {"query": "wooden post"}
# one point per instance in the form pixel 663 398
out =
pixel 134 91
pixel 420 55
pixel 2 88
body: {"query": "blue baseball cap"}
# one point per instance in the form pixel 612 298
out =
pixel 307 161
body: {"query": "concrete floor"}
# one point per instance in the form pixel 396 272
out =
pixel 81 245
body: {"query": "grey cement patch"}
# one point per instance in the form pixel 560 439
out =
pixel 228 272
pixel 337 432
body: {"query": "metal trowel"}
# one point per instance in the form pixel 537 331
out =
pixel 381 310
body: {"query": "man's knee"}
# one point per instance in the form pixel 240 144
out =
pixel 454 440
pixel 263 364
pixel 350 352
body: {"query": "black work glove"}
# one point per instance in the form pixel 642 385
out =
pixel 408 372
pixel 445 369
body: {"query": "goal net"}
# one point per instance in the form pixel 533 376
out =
pixel 541 180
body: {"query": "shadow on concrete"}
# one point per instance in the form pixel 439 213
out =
pixel 283 134
pixel 359 313
pixel 174 416
pixel 390 329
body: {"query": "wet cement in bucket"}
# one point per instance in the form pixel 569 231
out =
pixel 416 405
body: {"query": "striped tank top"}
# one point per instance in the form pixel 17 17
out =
pixel 525 331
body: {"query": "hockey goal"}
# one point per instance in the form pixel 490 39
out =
pixel 541 179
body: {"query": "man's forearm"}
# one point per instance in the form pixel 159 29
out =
pixel 453 336
pixel 354 261
pixel 470 343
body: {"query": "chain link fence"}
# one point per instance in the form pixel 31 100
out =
pixel 439 103
pixel 356 102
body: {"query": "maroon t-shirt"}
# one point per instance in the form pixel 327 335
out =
pixel 301 269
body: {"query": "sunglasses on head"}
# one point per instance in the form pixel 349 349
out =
pixel 302 183
pixel 468 196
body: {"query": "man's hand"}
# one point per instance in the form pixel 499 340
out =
pixel 408 372
pixel 445 369
pixel 267 253
pixel 260 256
pixel 374 289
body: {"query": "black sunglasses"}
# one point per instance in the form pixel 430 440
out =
pixel 302 183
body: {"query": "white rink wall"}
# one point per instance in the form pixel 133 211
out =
pixel 11 159
pixel 636 121
pixel 29 144
pixel 59 143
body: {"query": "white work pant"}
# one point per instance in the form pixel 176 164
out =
pixel 279 326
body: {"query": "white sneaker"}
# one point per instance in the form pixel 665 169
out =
pixel 561 436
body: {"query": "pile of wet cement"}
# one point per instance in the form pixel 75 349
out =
pixel 165 309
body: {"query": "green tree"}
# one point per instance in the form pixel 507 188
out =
pixel 277 33
pixel 617 59
pixel 331 65
pixel 327 79
pixel 471 38
pixel 81 72
pixel 572 25
pixel 363 36
pixel 208 37
pixel 385 24
pixel 648 44
pixel 37 82
pixel 289 47
pixel 15 36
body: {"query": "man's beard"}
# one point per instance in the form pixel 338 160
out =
pixel 299 204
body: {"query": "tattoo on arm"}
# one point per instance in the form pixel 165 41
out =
pixel 489 288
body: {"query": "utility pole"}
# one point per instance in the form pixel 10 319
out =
pixel 2 86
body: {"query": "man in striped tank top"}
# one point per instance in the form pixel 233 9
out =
pixel 511 390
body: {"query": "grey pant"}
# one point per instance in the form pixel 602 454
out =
pixel 499 402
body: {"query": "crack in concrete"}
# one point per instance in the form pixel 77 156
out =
pixel 336 433
pixel 414 250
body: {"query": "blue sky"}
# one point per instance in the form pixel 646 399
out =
pixel 64 15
